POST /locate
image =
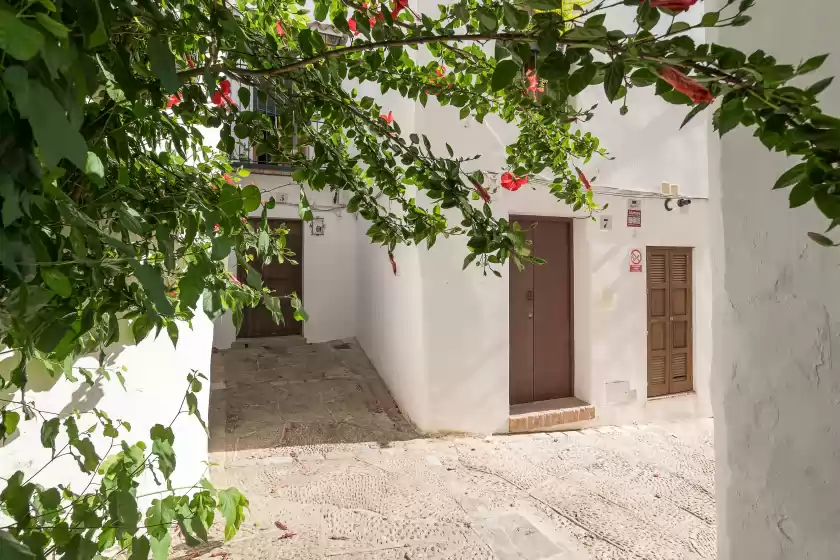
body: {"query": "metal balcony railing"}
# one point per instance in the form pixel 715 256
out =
pixel 245 152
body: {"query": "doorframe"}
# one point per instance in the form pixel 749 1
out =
pixel 299 257
pixel 693 389
pixel 571 222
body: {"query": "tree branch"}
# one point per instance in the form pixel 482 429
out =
pixel 361 48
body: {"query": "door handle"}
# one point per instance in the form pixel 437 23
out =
pixel 530 295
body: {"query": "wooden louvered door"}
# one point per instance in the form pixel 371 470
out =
pixel 669 320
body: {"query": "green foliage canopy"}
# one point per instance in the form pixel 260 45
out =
pixel 114 209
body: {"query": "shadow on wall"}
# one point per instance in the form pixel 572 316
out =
pixel 42 377
pixel 279 392
pixel 154 375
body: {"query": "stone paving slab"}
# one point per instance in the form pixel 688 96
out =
pixel 384 493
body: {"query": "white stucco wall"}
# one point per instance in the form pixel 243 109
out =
pixel 466 318
pixel 329 262
pixel 777 315
pixel 155 384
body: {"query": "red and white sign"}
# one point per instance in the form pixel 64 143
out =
pixel 634 217
pixel 635 260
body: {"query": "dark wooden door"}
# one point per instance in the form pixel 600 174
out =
pixel 283 279
pixel 541 334
pixel 669 320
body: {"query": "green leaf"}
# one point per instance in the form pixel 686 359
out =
pixel 730 115
pixel 172 331
pixel 322 8
pixel 162 440
pixel 244 95
pixel 709 19
pixel 150 277
pixel 10 422
pixel 647 17
pixel 821 239
pixel 581 78
pixel 791 176
pixel 231 505
pixel 469 259
pixel 18 39
pixel 503 74
pixel 555 66
pixel 486 19
pixel 693 113
pixel 163 64
pixel 677 27
pixel 230 200
pixel 159 516
pixel 11 200
pixel 140 328
pixel 11 549
pixel 596 20
pixel 160 546
pixel 297 305
pixel 304 211
pixel 251 197
pixel 820 86
pixel 140 548
pixel 741 20
pixel 57 281
pixel 51 25
pixel 220 248
pixel 94 168
pixel 614 77
pixel 123 509
pixel 801 194
pixel 53 133
pixel 811 64
pixel 49 431
pixel 828 204
pixel 89 460
pixel 275 308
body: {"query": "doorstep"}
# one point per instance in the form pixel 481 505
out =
pixel 555 414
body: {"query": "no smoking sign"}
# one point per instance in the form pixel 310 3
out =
pixel 635 260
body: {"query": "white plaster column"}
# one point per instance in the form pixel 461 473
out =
pixel 776 385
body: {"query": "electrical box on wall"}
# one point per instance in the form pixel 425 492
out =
pixel 606 222
pixel 317 226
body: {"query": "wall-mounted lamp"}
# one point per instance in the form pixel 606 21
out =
pixel 680 203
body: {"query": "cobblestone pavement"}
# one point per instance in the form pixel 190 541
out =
pixel 630 492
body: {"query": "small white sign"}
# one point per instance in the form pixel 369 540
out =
pixel 606 222
pixel 634 203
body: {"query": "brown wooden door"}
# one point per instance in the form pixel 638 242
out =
pixel 541 335
pixel 283 279
pixel 669 320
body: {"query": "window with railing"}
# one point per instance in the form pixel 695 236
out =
pixel 252 152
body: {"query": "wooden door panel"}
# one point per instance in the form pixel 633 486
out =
pixel 283 279
pixel 658 323
pixel 521 361
pixel 679 267
pixel 553 347
pixel 669 321
pixel 541 325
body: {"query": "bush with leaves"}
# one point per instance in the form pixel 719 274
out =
pixel 114 209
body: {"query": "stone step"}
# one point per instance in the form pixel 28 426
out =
pixel 554 414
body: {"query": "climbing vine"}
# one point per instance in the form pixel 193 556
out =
pixel 115 210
